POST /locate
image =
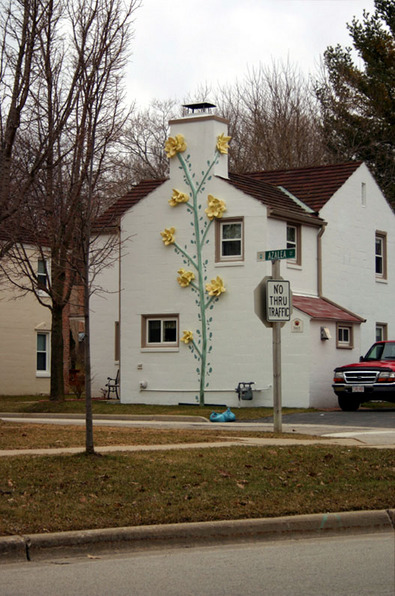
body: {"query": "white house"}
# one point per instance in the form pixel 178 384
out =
pixel 179 317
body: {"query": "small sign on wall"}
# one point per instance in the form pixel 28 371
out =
pixel 296 326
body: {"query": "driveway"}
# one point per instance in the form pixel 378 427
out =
pixel 364 417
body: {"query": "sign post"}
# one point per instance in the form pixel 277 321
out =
pixel 278 310
pixel 277 393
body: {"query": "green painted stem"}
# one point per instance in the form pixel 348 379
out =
pixel 198 264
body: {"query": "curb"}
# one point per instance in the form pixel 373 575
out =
pixel 113 540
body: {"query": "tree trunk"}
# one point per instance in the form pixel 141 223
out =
pixel 57 380
pixel 89 445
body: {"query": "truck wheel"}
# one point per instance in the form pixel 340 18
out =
pixel 348 404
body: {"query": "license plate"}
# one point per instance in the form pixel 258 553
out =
pixel 358 389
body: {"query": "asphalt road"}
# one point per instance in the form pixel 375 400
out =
pixel 383 418
pixel 341 566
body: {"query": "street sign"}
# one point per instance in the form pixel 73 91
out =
pixel 278 300
pixel 275 255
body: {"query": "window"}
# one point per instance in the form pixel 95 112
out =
pixel 381 332
pixel 363 194
pixel 42 355
pixel 230 240
pixel 117 342
pixel 344 336
pixel 159 331
pixel 293 242
pixel 381 255
pixel 42 274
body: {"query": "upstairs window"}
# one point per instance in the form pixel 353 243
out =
pixel 42 274
pixel 230 240
pixel 381 255
pixel 294 242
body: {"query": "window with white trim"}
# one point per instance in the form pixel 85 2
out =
pixel 230 240
pixel 159 331
pixel 344 336
pixel 42 276
pixel 381 255
pixel 294 242
pixel 381 331
pixel 43 354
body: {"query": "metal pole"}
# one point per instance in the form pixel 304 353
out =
pixel 277 412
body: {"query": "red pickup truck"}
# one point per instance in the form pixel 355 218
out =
pixel 372 378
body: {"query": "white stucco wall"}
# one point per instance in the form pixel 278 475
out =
pixel 349 254
pixel 104 312
pixel 241 344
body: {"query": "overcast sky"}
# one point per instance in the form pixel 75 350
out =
pixel 181 44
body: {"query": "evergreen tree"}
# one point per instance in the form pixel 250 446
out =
pixel 358 103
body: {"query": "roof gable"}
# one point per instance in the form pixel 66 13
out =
pixel 314 185
pixel 110 218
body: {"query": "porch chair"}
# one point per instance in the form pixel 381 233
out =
pixel 112 386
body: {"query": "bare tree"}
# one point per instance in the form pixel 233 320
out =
pixel 140 154
pixel 20 24
pixel 273 120
pixel 77 113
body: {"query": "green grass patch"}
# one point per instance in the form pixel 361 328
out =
pixel 38 404
pixel 47 494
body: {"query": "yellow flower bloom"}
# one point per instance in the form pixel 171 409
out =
pixel 187 337
pixel 178 197
pixel 168 236
pixel 222 143
pixel 216 287
pixel 175 145
pixel 185 277
pixel 215 208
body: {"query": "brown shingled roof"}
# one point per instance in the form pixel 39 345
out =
pixel 315 185
pixel 324 310
pixel 111 217
pixel 275 199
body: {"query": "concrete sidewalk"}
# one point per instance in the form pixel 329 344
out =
pixel 110 541
pixel 325 434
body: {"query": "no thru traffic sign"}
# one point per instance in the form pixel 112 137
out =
pixel 278 300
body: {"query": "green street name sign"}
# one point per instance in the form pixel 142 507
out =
pixel 275 255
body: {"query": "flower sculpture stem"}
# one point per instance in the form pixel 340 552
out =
pixel 174 147
pixel 199 240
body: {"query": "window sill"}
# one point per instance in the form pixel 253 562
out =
pixel 294 266
pixel 229 264
pixel 381 280
pixel 158 349
pixel 43 374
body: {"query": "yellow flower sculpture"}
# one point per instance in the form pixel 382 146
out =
pixel 168 236
pixel 178 197
pixel 185 277
pixel 222 143
pixel 216 287
pixel 216 207
pixel 175 145
pixel 187 337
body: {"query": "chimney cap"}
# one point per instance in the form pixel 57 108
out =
pixel 203 106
